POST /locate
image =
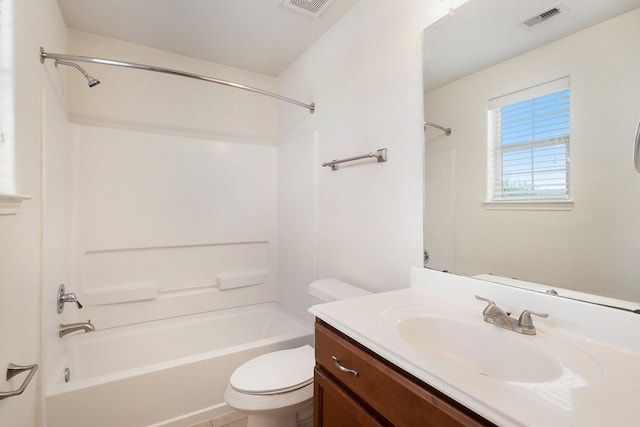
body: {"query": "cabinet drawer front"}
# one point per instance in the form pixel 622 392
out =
pixel 396 397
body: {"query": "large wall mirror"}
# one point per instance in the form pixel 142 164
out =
pixel 562 210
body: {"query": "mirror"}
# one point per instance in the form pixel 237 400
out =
pixel 585 246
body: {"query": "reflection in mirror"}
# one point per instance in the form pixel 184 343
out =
pixel 514 192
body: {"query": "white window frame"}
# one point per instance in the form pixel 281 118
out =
pixel 531 199
pixel 10 201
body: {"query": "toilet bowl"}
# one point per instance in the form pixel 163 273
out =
pixel 276 389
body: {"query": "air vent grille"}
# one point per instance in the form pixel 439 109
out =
pixel 308 7
pixel 541 17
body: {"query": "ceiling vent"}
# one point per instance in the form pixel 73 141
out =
pixel 308 7
pixel 544 16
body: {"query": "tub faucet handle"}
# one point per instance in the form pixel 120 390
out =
pixel 64 297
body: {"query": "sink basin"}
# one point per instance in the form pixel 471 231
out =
pixel 465 344
pixel 493 352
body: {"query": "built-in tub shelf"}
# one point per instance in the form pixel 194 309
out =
pixel 150 291
pixel 240 280
pixel 10 203
pixel 121 294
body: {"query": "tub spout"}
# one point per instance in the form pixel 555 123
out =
pixel 67 328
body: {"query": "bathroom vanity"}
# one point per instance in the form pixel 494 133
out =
pixel 355 387
pixel 425 356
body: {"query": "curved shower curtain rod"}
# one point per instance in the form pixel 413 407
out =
pixel 63 57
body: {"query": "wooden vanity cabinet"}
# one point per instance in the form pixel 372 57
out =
pixel 381 394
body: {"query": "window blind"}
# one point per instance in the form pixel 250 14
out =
pixel 529 133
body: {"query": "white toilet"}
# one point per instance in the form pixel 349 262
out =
pixel 276 389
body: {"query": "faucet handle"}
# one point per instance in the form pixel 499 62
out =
pixel 487 300
pixel 64 297
pixel 490 304
pixel 525 318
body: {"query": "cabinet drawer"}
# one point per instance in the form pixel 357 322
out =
pixel 390 391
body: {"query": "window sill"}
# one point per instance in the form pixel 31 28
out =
pixel 529 205
pixel 10 203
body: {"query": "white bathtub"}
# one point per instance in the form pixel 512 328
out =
pixel 170 372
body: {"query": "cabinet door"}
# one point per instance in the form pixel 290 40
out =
pixel 333 407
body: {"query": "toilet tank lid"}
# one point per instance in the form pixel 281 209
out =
pixel 334 290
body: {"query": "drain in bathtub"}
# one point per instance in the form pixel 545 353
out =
pixel 67 375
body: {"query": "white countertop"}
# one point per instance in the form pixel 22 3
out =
pixel 608 394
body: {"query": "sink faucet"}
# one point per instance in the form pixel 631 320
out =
pixel 496 316
pixel 67 328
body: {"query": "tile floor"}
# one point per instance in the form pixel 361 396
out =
pixel 231 419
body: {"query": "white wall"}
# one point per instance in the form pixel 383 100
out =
pixel 160 217
pixel 56 222
pixel 589 247
pixel 39 125
pixel 365 77
pixel 297 216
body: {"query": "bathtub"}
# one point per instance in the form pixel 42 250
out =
pixel 170 372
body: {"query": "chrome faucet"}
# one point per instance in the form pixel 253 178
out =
pixel 67 328
pixel 496 316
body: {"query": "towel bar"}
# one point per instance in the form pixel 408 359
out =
pixel 12 371
pixel 380 155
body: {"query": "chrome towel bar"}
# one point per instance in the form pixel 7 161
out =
pixel 12 371
pixel 380 155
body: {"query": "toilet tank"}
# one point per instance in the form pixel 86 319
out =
pixel 327 290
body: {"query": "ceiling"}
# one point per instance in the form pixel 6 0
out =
pixel 256 35
pixel 497 23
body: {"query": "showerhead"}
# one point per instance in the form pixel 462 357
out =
pixel 92 81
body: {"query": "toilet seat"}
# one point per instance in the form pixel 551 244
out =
pixel 275 373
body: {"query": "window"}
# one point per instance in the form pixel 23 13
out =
pixel 529 134
pixel 6 144
pixel 9 201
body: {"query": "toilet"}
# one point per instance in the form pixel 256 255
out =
pixel 276 389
